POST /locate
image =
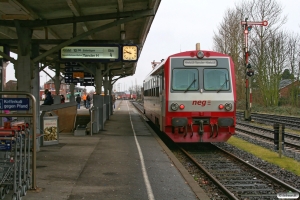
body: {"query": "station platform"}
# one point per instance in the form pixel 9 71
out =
pixel 119 162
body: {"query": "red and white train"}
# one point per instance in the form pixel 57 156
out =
pixel 191 96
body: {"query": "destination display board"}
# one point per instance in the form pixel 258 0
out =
pixel 95 53
pixel 14 103
pixel 74 69
pixel 78 77
pixel 87 84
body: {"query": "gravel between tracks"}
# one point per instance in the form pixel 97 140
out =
pixel 282 174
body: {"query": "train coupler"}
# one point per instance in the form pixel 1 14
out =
pixel 212 130
pixel 217 130
pixel 192 129
pixel 201 129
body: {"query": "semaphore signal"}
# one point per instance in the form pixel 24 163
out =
pixel 248 71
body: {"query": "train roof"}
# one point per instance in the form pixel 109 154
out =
pixel 192 53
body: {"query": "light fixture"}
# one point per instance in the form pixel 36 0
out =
pixel 123 35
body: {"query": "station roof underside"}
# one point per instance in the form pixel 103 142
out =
pixel 59 23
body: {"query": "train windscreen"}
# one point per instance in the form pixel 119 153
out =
pixel 185 79
pixel 216 79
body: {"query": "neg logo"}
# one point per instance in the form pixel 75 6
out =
pixel 199 102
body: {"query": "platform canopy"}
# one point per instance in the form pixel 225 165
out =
pixel 60 23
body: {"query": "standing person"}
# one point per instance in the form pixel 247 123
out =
pixel 88 101
pixel 114 101
pixel 78 100
pixel 48 98
pixel 84 99
pixel 62 98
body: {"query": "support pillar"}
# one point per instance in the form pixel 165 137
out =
pixel 23 66
pixel 2 81
pixel 111 108
pixel 98 101
pixel 56 97
pixel 35 84
pixel 72 88
pixel 98 79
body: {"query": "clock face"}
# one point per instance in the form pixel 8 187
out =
pixel 130 53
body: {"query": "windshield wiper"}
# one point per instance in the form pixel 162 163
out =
pixel 190 85
pixel 222 86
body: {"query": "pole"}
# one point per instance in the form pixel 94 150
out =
pixel 280 140
pixel 247 25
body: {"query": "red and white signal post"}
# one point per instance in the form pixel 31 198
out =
pixel 249 72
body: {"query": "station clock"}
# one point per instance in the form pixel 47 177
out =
pixel 130 53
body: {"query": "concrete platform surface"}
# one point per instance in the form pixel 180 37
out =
pixel 117 163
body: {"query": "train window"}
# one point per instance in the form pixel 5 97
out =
pixel 216 79
pixel 185 79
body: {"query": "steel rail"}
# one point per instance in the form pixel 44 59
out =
pixel 216 181
pixel 262 172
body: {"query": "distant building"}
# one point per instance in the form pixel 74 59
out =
pixel 11 85
pixel 285 87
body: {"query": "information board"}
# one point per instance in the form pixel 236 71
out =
pixel 109 53
pixel 74 69
pixel 14 103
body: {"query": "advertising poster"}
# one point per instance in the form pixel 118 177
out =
pixel 50 129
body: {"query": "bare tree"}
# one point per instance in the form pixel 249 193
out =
pixel 228 40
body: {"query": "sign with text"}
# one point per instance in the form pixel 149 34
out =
pixel 14 103
pixel 205 63
pixel 72 64
pixel 74 69
pixel 108 53
pixel 87 84
pixel 78 74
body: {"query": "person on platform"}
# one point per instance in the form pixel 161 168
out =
pixel 62 98
pixel 84 99
pixel 78 100
pixel 88 101
pixel 114 101
pixel 49 99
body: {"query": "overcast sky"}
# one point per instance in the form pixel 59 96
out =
pixel 178 26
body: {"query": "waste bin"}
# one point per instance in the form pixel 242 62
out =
pixel 49 127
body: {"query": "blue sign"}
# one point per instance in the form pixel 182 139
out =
pixel 14 103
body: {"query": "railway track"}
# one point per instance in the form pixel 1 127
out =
pixel 291 140
pixel 290 122
pixel 235 177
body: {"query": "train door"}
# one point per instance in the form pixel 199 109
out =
pixel 162 98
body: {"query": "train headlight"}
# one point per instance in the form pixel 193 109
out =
pixel 181 106
pixel 228 106
pixel 174 106
pixel 221 106
pixel 200 54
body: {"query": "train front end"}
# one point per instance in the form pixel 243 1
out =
pixel 200 104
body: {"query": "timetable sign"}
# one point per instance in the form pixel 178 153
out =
pixel 90 52
pixel 14 103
